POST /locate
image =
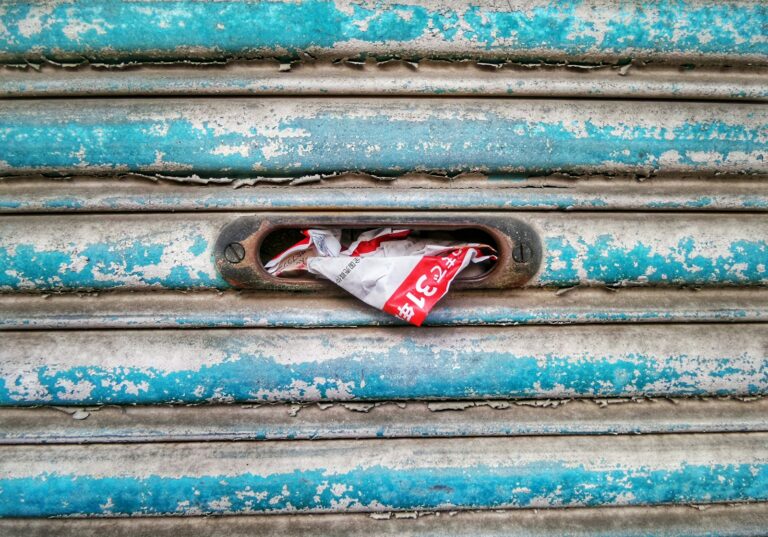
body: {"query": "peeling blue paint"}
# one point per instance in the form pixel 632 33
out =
pixel 576 260
pixel 527 31
pixel 246 368
pixel 10 204
pixel 474 137
pixel 70 203
pixel 545 483
pixel 133 262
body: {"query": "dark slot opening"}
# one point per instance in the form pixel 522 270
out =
pixel 281 239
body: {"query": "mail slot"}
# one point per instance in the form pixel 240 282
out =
pixel 278 241
pixel 517 246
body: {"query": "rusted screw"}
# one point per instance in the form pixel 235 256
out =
pixel 234 253
pixel 521 253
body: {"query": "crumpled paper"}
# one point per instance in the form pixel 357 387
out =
pixel 390 269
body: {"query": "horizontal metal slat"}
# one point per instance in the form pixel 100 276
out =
pixel 460 308
pixel 304 136
pixel 738 520
pixel 393 78
pixel 184 30
pixel 284 365
pixel 382 475
pixel 44 253
pixel 380 420
pixel 259 310
pixel 100 194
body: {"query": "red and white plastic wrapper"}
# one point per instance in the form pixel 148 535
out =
pixel 383 267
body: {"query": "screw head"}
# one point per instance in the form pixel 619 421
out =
pixel 522 252
pixel 234 253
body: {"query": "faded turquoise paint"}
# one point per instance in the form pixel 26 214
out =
pixel 410 369
pixel 540 30
pixel 69 203
pixel 545 483
pixel 575 260
pixel 330 141
pixel 11 204
pixel 137 262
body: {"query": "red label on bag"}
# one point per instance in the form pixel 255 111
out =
pixel 427 283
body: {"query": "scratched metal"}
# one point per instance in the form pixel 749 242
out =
pixel 289 365
pixel 528 30
pixel 22 311
pixel 378 420
pixel 302 136
pixel 734 520
pixel 167 251
pixel 382 475
pixel 99 194
pixel 392 78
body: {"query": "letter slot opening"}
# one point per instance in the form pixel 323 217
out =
pixel 282 239
pixel 246 246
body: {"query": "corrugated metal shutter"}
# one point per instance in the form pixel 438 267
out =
pixel 608 374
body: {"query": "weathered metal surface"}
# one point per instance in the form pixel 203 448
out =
pixel 176 251
pixel 581 30
pixel 385 420
pixel 392 78
pixel 264 309
pixel 283 365
pixel 382 475
pixel 100 194
pixel 736 520
pixel 300 136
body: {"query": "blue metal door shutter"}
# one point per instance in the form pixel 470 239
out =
pixel 606 375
